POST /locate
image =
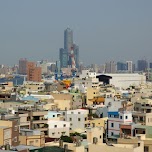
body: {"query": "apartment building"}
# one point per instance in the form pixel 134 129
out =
pixel 91 94
pixel 34 86
pixel 33 72
pixel 115 119
pixel 77 119
pixel 94 133
pixel 33 118
pixel 58 128
pixel 63 101
pixel 9 128
pixel 32 137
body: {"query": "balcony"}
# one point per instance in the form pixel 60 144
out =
pixel 40 121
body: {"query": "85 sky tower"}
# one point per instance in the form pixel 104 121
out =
pixel 64 54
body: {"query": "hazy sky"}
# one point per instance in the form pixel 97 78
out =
pixel 104 29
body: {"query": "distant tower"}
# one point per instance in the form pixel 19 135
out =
pixel 129 66
pixel 23 66
pixel 65 53
pixel 110 67
pixel 142 65
pixel 68 39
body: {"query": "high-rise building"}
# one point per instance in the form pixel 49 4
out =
pixel 129 66
pixel 121 66
pixel 22 66
pixel 142 65
pixel 33 72
pixel 63 55
pixel 68 39
pixel 110 67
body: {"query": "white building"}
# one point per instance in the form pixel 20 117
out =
pixel 123 80
pixel 77 119
pixel 86 79
pixel 114 121
pixel 58 128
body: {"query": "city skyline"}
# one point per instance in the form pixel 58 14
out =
pixel 114 30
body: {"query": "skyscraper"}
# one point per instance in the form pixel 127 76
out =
pixel 142 65
pixel 121 66
pixel 65 53
pixel 68 39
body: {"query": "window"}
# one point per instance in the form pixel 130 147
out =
pixel 126 117
pixel 63 113
pixel 53 133
pixel 55 126
pixel 79 119
pixel 111 133
pixel 146 149
pixel 112 124
pixel 100 136
pixel 120 117
pixel 70 119
pixel 15 128
pixel 64 125
pixel 53 115
pixel 85 118
pixel 31 142
pixel 78 112
pixel 15 139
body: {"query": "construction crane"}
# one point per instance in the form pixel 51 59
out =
pixel 73 65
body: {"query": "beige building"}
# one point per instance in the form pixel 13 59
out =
pixel 9 132
pixel 98 122
pixel 91 93
pixel 6 137
pixel 63 101
pixel 94 133
pixel 32 138
pixel 34 86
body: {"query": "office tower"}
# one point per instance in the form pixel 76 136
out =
pixel 142 65
pixel 121 66
pixel 129 66
pixel 68 43
pixel 63 55
pixel 110 67
pixel 33 72
pixel 22 66
pixel 68 39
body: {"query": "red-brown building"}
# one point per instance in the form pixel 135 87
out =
pixel 33 72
